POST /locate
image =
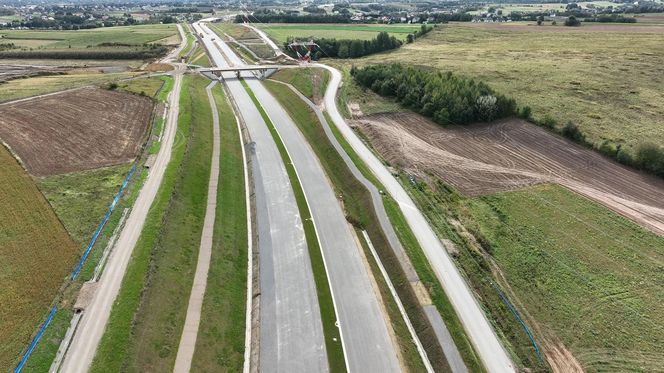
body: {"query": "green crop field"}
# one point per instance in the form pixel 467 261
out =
pixel 81 39
pixel 595 75
pixel 36 254
pixel 591 279
pixel 281 32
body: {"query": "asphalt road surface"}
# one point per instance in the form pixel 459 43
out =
pixel 81 352
pixel 291 332
pixel 476 325
pixel 364 330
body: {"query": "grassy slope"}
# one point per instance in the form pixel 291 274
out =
pixel 21 88
pixel 358 206
pixel 80 199
pixel 220 342
pixel 588 276
pixel 333 346
pixel 145 86
pixel 200 58
pixel 310 81
pixel 160 273
pixel 603 81
pixel 190 41
pixel 281 32
pixel 36 254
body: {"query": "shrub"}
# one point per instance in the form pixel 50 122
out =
pixel 112 86
pixel 445 97
pixel 548 121
pixel 572 131
pixel 525 112
pixel 572 21
pixel 650 157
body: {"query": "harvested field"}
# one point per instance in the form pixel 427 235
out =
pixel 511 154
pixel 36 254
pixel 75 130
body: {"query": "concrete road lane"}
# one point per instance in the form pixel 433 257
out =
pixel 477 327
pixel 291 333
pixel 367 343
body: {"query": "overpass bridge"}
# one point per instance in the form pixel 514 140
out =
pixel 261 71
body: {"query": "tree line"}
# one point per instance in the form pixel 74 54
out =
pixel 351 48
pixel 445 97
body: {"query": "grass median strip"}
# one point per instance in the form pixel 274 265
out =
pixel 147 317
pixel 335 353
pixel 220 342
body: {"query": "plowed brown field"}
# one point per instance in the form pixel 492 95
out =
pixel 75 130
pixel 510 154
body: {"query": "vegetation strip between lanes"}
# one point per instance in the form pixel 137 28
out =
pixel 161 264
pixel 359 211
pixel 335 353
pixel 221 338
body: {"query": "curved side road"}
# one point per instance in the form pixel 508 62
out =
pixel 477 326
pixel 93 322
pixel 193 319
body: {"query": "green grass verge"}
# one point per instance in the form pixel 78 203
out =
pixel 310 81
pixel 360 212
pixel 166 88
pixel 146 320
pixel 143 86
pixel 200 58
pixel 190 41
pixel 220 342
pixel 80 199
pixel 335 354
pixel 419 261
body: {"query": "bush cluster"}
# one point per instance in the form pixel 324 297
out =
pixel 352 48
pixel 424 29
pixel 444 97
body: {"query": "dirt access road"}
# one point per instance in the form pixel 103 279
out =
pixel 511 154
pixel 93 322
